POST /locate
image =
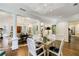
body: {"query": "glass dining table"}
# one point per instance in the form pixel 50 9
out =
pixel 46 43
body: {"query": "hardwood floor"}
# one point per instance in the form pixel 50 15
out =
pixel 70 49
pixel 0 43
pixel 22 51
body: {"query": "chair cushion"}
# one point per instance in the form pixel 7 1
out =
pixel 39 51
pixel 55 49
pixel 38 43
pixel 2 53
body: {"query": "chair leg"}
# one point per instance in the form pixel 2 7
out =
pixel 61 54
pixel 44 51
pixel 28 53
pixel 47 53
pixel 53 44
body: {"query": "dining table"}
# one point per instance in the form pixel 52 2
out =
pixel 46 43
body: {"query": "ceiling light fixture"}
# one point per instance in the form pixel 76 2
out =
pixel 45 5
pixel 22 9
pixel 75 4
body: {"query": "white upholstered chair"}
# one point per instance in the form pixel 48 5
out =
pixel 2 53
pixel 57 51
pixel 52 37
pixel 32 48
pixel 38 38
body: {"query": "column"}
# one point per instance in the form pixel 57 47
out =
pixel 14 39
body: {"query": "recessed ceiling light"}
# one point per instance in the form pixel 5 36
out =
pixel 22 9
pixel 45 5
pixel 75 4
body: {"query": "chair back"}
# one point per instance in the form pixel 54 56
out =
pixel 31 46
pixel 52 37
pixel 37 37
pixel 61 45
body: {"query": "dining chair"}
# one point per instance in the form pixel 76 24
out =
pixel 33 49
pixel 57 51
pixel 52 37
pixel 2 53
pixel 37 38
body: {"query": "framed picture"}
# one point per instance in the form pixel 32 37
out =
pixel 19 28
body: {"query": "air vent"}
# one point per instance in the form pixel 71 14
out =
pixel 75 4
pixel 22 9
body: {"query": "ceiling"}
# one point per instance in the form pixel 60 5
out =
pixel 45 12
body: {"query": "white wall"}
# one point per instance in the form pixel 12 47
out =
pixel 6 21
pixel 76 28
pixel 62 31
pixel 76 25
pixel 25 22
pixel 1 23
